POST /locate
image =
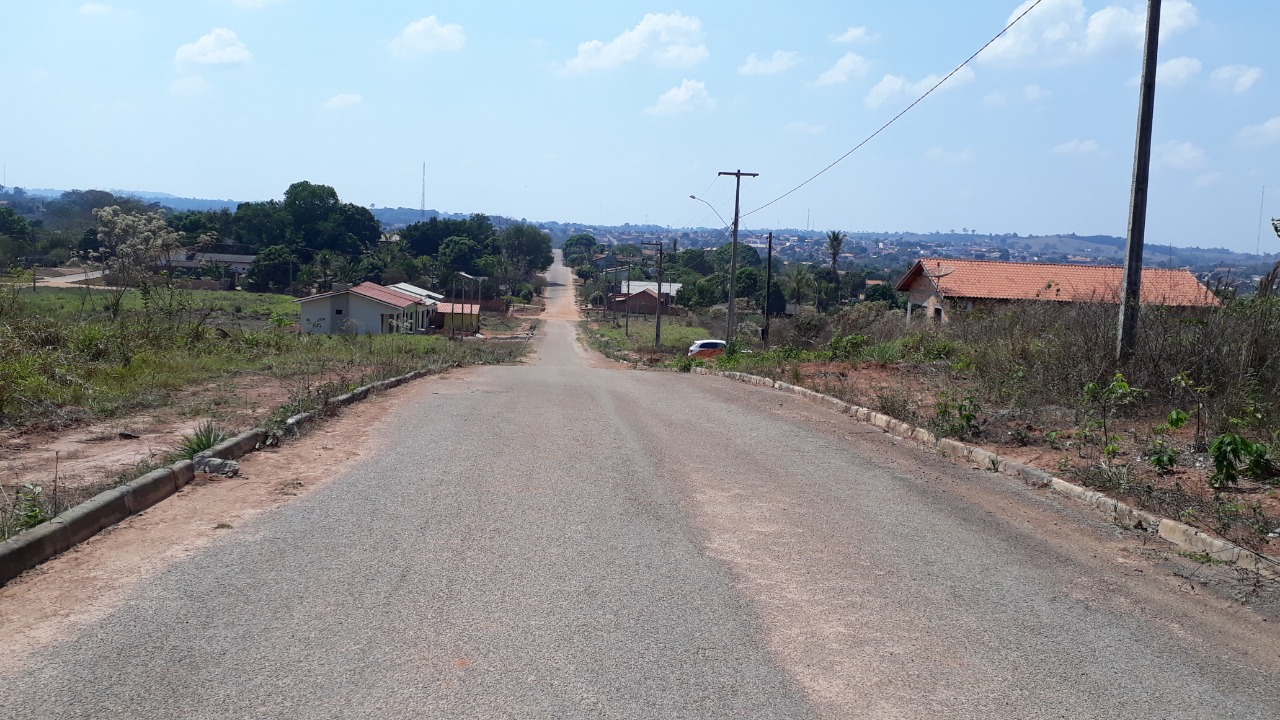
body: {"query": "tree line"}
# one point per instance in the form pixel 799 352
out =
pixel 307 240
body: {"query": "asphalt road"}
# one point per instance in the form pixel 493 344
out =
pixel 566 539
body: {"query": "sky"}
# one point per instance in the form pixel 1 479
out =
pixel 616 112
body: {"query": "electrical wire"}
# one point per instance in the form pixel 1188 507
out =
pixel 906 110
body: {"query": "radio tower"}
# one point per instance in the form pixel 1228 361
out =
pixel 423 212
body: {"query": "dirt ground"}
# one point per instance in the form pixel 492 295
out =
pixel 1027 438
pixel 49 602
pixel 101 451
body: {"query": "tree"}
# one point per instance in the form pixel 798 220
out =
pixel 14 225
pixel 132 247
pixel 272 270
pixel 308 204
pixel 835 244
pixel 747 257
pixel 526 247
pixel 881 293
pixel 459 254
pixel 578 249
pixel 801 284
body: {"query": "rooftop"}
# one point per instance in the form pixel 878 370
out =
pixel 998 280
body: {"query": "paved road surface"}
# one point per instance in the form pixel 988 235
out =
pixel 565 539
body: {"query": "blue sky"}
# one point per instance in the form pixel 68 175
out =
pixel 617 112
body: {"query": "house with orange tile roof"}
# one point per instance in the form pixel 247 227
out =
pixel 939 286
pixel 366 309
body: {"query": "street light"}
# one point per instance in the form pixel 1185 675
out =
pixel 713 208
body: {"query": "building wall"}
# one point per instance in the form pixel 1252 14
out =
pixel 346 313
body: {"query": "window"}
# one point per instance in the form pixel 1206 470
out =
pixel 937 313
pixel 338 311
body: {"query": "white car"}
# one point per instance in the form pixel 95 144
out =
pixel 707 348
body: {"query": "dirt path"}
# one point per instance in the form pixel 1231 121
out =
pixel 52 601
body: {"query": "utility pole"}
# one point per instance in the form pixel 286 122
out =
pixel 1131 292
pixel 768 287
pixel 733 258
pixel 657 314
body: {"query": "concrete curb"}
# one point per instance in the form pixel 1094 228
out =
pixel 1121 513
pixel 28 549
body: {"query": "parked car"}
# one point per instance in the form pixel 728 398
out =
pixel 707 348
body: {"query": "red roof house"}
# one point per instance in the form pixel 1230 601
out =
pixel 940 285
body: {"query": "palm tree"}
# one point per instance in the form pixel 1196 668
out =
pixel 835 244
pixel 802 284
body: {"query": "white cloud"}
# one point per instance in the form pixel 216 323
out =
pixel 342 100
pixel 95 9
pixel 1178 71
pixel 849 66
pixel 191 86
pixel 428 35
pixel 672 40
pixel 1032 93
pixel 219 47
pixel 1210 179
pixel 253 4
pixel 1029 93
pixel 799 127
pixel 1238 79
pixel 895 87
pixel 781 61
pixel 689 95
pixel 1179 155
pixel 1268 133
pixel 1076 147
pixel 1060 32
pixel 951 156
pixel 853 35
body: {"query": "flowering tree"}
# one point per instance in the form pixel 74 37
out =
pixel 133 247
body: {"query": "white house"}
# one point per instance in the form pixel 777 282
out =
pixel 367 308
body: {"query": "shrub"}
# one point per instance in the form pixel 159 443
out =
pixel 206 435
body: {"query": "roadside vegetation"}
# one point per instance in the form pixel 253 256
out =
pixel 1190 428
pixel 66 361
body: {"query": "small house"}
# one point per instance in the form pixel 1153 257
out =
pixel 459 317
pixel 366 309
pixel 940 286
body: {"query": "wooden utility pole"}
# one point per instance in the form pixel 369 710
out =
pixel 733 258
pixel 657 315
pixel 768 288
pixel 1131 292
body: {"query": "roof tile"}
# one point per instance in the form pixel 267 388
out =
pixel 996 280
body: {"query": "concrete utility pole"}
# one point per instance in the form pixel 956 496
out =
pixel 1131 293
pixel 733 258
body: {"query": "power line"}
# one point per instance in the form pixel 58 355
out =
pixel 906 110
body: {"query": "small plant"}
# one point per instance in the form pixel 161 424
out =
pixel 1164 456
pixel 846 348
pixel 207 434
pixel 1234 455
pixel 956 418
pixel 1053 437
pixel 1109 399
pixel 895 403
pixel 31 510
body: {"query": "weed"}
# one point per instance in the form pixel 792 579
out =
pixel 895 403
pixel 956 418
pixel 206 435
